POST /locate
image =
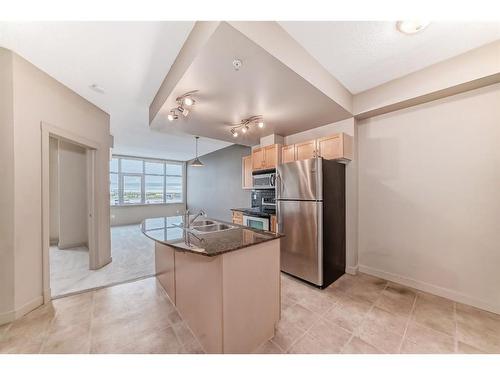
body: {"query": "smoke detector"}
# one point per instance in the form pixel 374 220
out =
pixel 237 63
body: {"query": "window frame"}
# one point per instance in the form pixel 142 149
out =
pixel 120 177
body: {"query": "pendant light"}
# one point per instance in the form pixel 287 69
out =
pixel 197 162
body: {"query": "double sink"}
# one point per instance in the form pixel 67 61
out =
pixel 207 226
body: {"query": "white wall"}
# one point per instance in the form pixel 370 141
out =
pixel 54 190
pixel 126 215
pixel 39 98
pixel 73 211
pixel 6 188
pixel 349 127
pixel 429 197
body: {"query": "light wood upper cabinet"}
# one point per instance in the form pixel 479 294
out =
pixel 336 146
pixel 305 150
pixel 246 172
pixel 288 153
pixel 258 158
pixel 266 157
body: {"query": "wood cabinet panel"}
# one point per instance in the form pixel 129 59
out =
pixel 330 147
pixel 246 166
pixel 288 153
pixel 271 156
pixel 305 150
pixel 238 217
pixel 273 223
pixel 258 158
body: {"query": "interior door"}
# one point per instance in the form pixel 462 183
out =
pixel 300 247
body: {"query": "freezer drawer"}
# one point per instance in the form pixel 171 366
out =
pixel 301 248
pixel 300 180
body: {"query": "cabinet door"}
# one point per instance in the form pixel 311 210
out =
pixel 247 172
pixel 273 223
pixel 288 153
pixel 331 147
pixel 258 158
pixel 271 156
pixel 237 217
pixel 305 150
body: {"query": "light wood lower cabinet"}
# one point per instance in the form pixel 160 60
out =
pixel 238 217
pixel 273 224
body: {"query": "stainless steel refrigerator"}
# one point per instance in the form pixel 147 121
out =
pixel 310 211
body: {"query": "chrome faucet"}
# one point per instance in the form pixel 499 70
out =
pixel 197 216
pixel 185 222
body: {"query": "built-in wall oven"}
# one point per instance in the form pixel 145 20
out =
pixel 256 222
pixel 265 179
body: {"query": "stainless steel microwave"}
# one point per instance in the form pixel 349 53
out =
pixel 264 179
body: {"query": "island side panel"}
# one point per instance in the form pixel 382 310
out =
pixel 251 296
pixel 198 283
pixel 165 268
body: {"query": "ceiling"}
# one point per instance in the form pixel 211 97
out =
pixel 262 86
pixel 365 54
pixel 128 59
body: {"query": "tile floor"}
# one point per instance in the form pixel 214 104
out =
pixel 356 314
pixel 365 314
pixel 133 257
pixel 135 317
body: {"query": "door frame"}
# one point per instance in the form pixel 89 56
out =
pixel 91 147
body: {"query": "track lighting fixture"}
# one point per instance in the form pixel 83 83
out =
pixel 244 125
pixel 172 116
pixel 183 101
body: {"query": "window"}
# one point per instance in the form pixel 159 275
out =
pixel 145 181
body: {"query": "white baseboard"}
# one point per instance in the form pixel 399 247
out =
pixel 430 288
pixel 12 315
pixel 351 270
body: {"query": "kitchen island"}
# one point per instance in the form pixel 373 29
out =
pixel 223 278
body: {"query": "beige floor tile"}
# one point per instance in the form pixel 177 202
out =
pixel 478 338
pixel 358 346
pixel 420 339
pixel 480 320
pixel 192 347
pixel 307 344
pixel 395 299
pixel 463 348
pixel 331 336
pixel 3 329
pixel 392 322
pixel 367 287
pixel 344 283
pixel 269 348
pixel 379 336
pixel 348 313
pixel 317 302
pixel 300 316
pixel 435 312
pixel 155 342
pixel 68 340
pixel 286 334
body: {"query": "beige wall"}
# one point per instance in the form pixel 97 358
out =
pixel 6 188
pixel 126 215
pixel 39 98
pixel 349 127
pixel 54 190
pixel 73 211
pixel 429 197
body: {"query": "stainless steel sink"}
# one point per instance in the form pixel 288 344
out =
pixel 200 223
pixel 213 228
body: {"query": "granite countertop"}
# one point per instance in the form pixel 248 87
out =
pixel 169 231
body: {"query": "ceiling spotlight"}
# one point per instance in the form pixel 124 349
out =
pixel 237 63
pixel 188 101
pixel 234 132
pixel 260 124
pixel 411 27
pixel 183 110
pixel 244 129
pixel 172 116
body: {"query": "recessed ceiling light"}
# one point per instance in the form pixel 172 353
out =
pixel 411 27
pixel 97 88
